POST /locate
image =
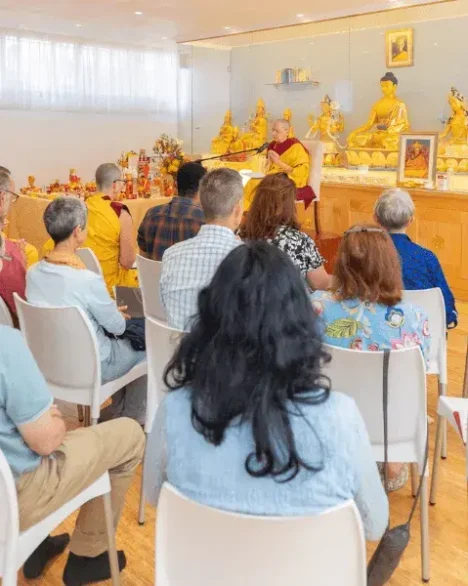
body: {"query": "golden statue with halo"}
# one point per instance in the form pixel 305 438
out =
pixel 258 130
pixel 328 126
pixel 221 143
pixel 287 115
pixel 380 135
pixel 453 141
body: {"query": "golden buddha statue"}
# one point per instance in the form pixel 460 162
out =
pixel 221 143
pixel 387 120
pixel 258 128
pixel 328 127
pixel 287 115
pixel 455 133
pixel 236 143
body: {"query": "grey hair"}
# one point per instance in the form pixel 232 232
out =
pixel 106 174
pixel 284 123
pixel 63 215
pixel 5 180
pixel 220 192
pixel 394 209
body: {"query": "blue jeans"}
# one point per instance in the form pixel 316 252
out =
pixel 131 400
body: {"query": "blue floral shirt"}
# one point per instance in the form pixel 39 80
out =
pixel 421 270
pixel 358 325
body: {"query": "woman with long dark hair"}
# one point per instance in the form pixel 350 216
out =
pixel 273 217
pixel 250 424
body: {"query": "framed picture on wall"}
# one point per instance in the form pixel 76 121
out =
pixel 399 48
pixel 418 158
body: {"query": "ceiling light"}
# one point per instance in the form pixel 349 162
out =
pixel 164 38
pixel 138 13
pixel 78 25
pixel 300 15
pixel 227 28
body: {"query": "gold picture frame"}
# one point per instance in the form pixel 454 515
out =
pixel 417 163
pixel 399 48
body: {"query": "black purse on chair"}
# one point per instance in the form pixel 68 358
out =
pixel 388 554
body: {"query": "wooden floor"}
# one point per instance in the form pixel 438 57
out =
pixel 448 519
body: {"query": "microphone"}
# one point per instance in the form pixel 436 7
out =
pixel 263 147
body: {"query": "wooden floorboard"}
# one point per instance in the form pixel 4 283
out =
pixel 448 519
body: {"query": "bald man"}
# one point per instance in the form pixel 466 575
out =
pixel 285 155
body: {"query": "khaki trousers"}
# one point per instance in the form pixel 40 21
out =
pixel 84 456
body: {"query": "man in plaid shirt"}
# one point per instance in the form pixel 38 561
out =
pixel 178 220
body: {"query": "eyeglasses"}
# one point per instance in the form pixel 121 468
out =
pixel 120 181
pixel 14 196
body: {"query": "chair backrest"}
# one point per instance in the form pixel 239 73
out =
pixel 5 315
pixel 161 342
pixel 64 345
pixel 90 260
pixel 315 148
pixel 432 301
pixel 149 274
pixel 203 546
pixel 360 375
pixel 9 523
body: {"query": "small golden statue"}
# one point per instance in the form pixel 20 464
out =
pixel 258 128
pixel 221 143
pixel 287 115
pixel 328 126
pixel 453 145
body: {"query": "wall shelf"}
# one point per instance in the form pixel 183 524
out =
pixel 312 82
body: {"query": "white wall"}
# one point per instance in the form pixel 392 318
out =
pixel 349 65
pixel 48 144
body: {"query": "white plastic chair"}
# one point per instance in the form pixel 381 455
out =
pixel 64 345
pixel 149 274
pixel 16 546
pixel 455 411
pixel 5 315
pixel 161 343
pixel 432 301
pixel 90 260
pixel 198 545
pixel 359 375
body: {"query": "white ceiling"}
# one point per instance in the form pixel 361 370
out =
pixel 114 21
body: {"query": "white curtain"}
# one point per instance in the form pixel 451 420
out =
pixel 51 74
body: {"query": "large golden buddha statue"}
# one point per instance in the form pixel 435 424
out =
pixel 387 120
pixel 287 115
pixel 258 128
pixel 221 143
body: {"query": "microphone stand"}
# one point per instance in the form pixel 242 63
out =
pixel 257 150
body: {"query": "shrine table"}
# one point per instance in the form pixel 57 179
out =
pixel 25 217
pixel 440 223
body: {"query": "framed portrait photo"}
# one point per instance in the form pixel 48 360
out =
pixel 399 48
pixel 418 158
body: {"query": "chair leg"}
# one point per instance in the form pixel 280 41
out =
pixel 318 228
pixel 113 560
pixel 443 391
pixel 465 378
pixel 94 421
pixel 141 509
pixel 87 416
pixel 425 555
pixel 414 478
pixel 80 413
pixel 436 466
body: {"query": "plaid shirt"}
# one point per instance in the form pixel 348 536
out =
pixel 166 225
pixel 188 267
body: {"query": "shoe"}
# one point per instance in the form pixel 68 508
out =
pixel 50 548
pixel 82 570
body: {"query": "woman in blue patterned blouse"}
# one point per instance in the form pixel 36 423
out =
pixel 421 268
pixel 364 309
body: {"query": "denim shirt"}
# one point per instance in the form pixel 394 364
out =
pixel 51 285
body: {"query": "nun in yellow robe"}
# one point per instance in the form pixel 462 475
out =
pixel 285 155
